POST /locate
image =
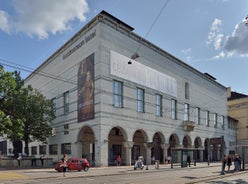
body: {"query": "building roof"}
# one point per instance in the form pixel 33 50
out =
pixel 104 16
pixel 235 95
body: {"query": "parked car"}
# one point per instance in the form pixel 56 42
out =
pixel 74 164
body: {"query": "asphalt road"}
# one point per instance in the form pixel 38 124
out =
pixel 202 173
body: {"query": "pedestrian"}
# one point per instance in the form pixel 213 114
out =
pixel 19 159
pixel 169 159
pixel 223 164
pixel 33 160
pixel 64 164
pixel 42 159
pixel 229 162
pixel 188 160
pixel 118 159
pixel 236 163
pixel 239 161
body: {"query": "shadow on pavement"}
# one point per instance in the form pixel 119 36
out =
pixel 239 181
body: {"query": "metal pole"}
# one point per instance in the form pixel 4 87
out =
pixel 171 159
pixel 208 150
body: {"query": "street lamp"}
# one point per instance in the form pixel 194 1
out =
pixel 134 56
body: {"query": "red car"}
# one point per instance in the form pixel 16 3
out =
pixel 74 164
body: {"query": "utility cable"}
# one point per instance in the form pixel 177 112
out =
pixel 149 30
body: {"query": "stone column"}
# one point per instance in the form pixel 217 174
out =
pixel 101 153
pixel 148 147
pixel 128 146
pixel 201 153
pixel 165 148
pixel 179 153
pixel 76 149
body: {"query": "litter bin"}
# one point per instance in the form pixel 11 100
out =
pixel 156 164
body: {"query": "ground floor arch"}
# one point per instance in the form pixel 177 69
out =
pixel 157 150
pixel 87 138
pixel 139 148
pixel 130 144
pixel 116 139
pixel 198 153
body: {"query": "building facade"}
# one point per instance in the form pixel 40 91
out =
pixel 116 93
pixel 238 109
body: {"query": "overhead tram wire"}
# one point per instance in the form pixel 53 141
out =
pixel 149 30
pixel 31 70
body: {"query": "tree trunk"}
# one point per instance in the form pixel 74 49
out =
pixel 26 148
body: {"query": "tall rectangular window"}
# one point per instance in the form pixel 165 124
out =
pixel 42 149
pixel 207 117
pixel 34 150
pixel 173 109
pixel 66 129
pixel 223 122
pixel 140 100
pixel 66 102
pixel 66 148
pixel 186 90
pixel 215 120
pixel 158 105
pixel 197 115
pixel 53 149
pixel 186 112
pixel 117 94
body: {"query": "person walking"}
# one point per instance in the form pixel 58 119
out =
pixel 42 160
pixel 229 162
pixel 118 159
pixel 223 164
pixel 188 160
pixel 33 160
pixel 236 163
pixel 19 159
pixel 64 164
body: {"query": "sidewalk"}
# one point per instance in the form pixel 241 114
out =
pixel 203 171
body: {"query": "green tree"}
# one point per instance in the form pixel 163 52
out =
pixel 25 113
pixel 38 114
pixel 11 122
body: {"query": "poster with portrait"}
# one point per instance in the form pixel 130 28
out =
pixel 86 109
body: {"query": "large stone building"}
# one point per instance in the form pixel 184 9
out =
pixel 116 93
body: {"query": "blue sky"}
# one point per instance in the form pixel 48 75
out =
pixel 209 35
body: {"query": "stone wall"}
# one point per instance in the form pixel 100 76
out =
pixel 25 162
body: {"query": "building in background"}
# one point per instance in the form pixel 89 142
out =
pixel 117 94
pixel 238 110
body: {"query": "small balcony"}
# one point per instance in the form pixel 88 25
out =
pixel 188 126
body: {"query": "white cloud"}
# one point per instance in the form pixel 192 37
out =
pixel 235 44
pixel 4 21
pixel 238 41
pixel 220 55
pixel 215 36
pixel 42 17
pixel 218 41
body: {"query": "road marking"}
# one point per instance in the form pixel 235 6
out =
pixel 9 175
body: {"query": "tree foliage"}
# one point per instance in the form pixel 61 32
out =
pixel 25 113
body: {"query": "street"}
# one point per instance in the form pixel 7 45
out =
pixel 126 175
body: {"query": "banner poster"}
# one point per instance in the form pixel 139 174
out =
pixel 142 74
pixel 86 109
